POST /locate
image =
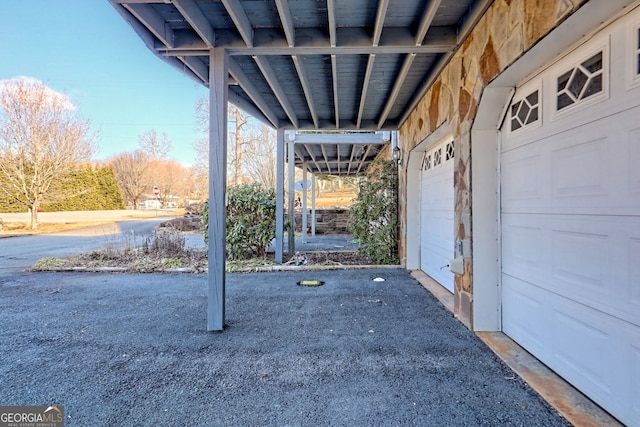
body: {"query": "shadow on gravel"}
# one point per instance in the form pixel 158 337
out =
pixel 127 349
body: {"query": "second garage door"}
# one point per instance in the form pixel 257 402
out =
pixel 437 213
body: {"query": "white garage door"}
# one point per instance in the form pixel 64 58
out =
pixel 570 215
pixel 437 213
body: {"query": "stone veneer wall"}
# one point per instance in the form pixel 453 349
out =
pixel 328 221
pixel 507 30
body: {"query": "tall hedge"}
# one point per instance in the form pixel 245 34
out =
pixel 89 187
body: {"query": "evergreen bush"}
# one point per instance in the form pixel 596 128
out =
pixel 251 216
pixel 88 188
pixel 374 213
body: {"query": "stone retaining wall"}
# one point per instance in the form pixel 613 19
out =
pixel 328 221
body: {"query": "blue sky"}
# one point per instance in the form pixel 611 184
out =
pixel 83 48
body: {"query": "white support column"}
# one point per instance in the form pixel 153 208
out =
pixel 313 204
pixel 218 78
pixel 304 202
pixel 291 248
pixel 279 195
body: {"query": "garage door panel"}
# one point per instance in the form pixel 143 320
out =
pixel 634 391
pixel 573 340
pixel 520 305
pixel 434 261
pixel 441 245
pixel 590 347
pixel 582 346
pixel 440 229
pixel 590 170
pixel 580 170
pixel 591 259
pixel 522 247
pixel 580 260
pixel 632 162
pixel 438 192
pixel 520 181
pixel 633 291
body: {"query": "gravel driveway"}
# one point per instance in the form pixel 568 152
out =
pixel 132 350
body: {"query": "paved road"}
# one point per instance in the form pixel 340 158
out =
pixel 20 253
pixel 85 216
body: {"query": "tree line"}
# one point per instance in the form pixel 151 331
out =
pixel 46 155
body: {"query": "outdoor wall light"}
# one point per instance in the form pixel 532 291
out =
pixel 396 154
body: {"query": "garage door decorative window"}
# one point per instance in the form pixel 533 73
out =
pixel 581 82
pixel 426 162
pixel 437 157
pixel 525 111
pixel 450 153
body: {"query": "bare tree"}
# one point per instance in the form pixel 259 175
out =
pixel 40 141
pixel 238 123
pixel 156 146
pixel 170 177
pixel 132 173
pixel 196 186
pixel 260 159
pixel 201 146
pixel 250 154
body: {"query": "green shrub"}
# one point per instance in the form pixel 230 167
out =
pixel 88 188
pixel 251 216
pixel 374 213
pixel 83 188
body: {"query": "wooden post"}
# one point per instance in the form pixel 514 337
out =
pixel 291 249
pixel 218 78
pixel 304 202
pixel 279 195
